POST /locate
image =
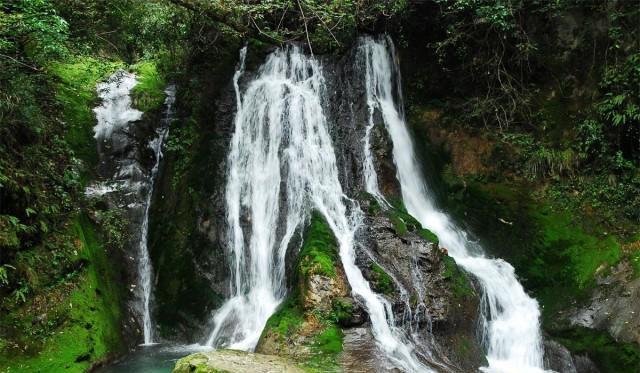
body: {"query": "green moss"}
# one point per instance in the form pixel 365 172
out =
pixel 325 349
pixel 319 252
pixel 83 317
pixel 288 319
pixel 609 356
pixel 458 281
pixel 321 343
pixel 342 310
pixel 381 281
pixel 148 94
pixel 398 224
pixel 76 93
pixel 429 236
pixel 565 258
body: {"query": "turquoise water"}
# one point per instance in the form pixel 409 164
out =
pixel 150 359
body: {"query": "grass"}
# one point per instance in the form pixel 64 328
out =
pixel 148 94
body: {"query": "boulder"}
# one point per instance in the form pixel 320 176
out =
pixel 232 361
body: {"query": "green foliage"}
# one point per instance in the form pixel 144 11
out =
pixel 341 310
pixel 75 92
pixel 75 321
pixel 620 106
pixel 181 147
pixel 34 27
pixel 148 94
pixel 610 356
pixel 323 25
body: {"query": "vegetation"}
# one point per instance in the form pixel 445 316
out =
pixel 610 355
pixel 322 25
pixel 319 253
pixel 60 294
pixel 381 281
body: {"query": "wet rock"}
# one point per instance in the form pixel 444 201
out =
pixel 231 361
pixel 613 306
pixel 430 295
pixel 558 358
pixel 361 353
pixel 320 291
pixel 349 312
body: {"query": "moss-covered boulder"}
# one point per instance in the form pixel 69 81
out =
pixel 231 361
pixel 306 328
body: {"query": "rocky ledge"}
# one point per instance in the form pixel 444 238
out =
pixel 232 361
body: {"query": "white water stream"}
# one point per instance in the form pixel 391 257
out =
pixel 510 318
pixel 145 267
pixel 115 114
pixel 282 164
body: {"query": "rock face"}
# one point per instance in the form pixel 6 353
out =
pixel 231 361
pixel 187 213
pixel 429 294
pixel 613 305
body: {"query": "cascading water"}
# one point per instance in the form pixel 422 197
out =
pixel 145 268
pixel 510 318
pixel 115 112
pixel 281 141
pixel 114 116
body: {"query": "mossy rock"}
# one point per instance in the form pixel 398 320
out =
pixel 308 333
pixel 381 281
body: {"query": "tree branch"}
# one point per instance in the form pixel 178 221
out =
pixel 226 18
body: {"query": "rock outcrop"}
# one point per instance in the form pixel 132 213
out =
pixel 232 361
pixel 430 295
pixel 613 305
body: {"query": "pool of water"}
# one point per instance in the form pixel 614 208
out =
pixel 151 359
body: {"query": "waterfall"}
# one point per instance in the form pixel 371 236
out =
pixel 112 129
pixel 145 268
pixel 282 164
pixel 115 112
pixel 509 317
